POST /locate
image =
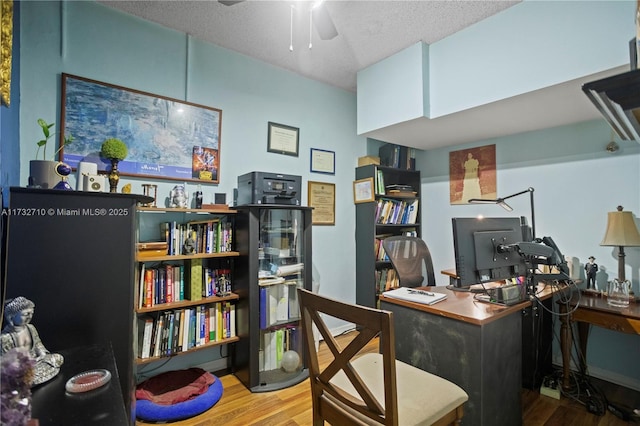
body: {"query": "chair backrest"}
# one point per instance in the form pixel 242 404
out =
pixel 408 255
pixel 331 402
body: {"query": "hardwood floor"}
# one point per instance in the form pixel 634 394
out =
pixel 292 406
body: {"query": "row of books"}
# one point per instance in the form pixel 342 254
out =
pixel 210 236
pixel 400 157
pixel 396 212
pixel 273 344
pixel 378 248
pixel 166 283
pixel 381 255
pixel 278 302
pixel 386 279
pixel 180 330
pixel 394 189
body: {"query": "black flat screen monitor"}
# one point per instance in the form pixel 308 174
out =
pixel 476 243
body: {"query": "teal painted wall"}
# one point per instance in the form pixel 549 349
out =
pixel 90 40
pixel 9 119
pixel 576 183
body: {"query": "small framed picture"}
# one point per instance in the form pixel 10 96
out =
pixel 283 139
pixel 363 191
pixel 323 161
pixel 322 197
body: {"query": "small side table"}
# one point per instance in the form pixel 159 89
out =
pixel 587 310
pixel 53 405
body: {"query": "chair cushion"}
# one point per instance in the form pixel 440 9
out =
pixel 423 398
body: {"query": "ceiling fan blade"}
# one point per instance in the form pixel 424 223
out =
pixel 324 24
pixel 230 2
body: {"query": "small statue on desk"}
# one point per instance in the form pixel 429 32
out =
pixel 591 269
pixel 20 333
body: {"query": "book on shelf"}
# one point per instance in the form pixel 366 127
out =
pixel 277 303
pixel 145 330
pixel 141 286
pixel 179 330
pixel 397 156
pixel 274 343
pixel 379 186
pixel 396 212
pixel 157 337
pixel 186 325
pixel 193 280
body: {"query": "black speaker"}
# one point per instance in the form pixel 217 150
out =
pixel 220 198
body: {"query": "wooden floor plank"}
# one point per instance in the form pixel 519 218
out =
pixel 292 406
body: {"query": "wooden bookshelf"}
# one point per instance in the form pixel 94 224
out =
pixel 150 229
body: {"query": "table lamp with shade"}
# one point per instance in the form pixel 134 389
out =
pixel 621 232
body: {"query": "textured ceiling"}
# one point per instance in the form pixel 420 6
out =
pixel 368 31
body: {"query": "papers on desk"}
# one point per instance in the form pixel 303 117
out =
pixel 415 295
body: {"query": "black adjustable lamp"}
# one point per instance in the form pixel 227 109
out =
pixel 501 202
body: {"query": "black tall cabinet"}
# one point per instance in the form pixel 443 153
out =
pixel 371 228
pixel 274 242
pixel 72 254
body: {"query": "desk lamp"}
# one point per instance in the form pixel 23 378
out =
pixel 621 232
pixel 501 202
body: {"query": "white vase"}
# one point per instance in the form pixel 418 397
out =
pixel 42 174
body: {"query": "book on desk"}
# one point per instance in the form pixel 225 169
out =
pixel 415 295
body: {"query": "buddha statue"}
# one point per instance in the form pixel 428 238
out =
pixel 20 333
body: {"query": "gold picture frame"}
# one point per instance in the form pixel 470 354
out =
pixel 6 47
pixel 363 191
pixel 322 197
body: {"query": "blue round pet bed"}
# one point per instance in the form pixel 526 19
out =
pixel 150 411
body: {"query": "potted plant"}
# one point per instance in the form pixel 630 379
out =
pixel 115 151
pixel 42 172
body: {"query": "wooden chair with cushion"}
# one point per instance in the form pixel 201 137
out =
pixel 360 388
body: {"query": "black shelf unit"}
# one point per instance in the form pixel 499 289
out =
pixel 367 229
pixel 253 224
pixel 69 252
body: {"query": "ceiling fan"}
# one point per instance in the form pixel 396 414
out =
pixel 321 19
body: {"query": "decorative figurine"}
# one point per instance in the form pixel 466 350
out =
pixel 178 197
pixel 63 170
pixel 20 333
pixel 189 246
pixel 591 269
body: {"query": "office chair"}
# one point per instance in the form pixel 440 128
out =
pixel 407 255
pixel 358 388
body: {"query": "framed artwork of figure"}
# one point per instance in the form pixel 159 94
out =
pixel 472 174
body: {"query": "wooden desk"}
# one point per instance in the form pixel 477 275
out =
pixel 591 310
pixel 474 344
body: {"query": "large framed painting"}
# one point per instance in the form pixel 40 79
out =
pixel 166 138
pixel 472 174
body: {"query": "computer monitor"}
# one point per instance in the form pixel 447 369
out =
pixel 486 249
